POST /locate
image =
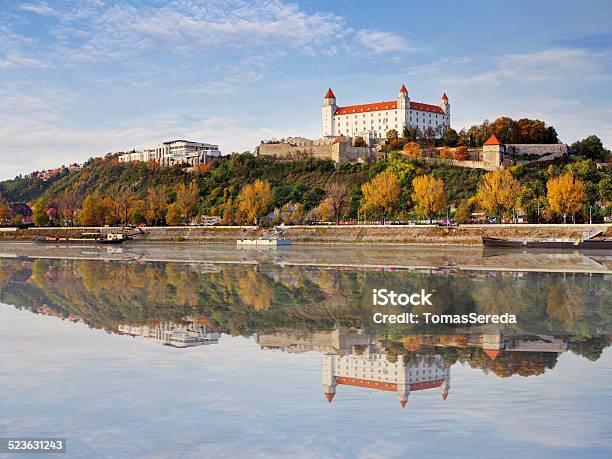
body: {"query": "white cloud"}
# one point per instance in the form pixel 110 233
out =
pixel 15 60
pixel 43 9
pixel 382 42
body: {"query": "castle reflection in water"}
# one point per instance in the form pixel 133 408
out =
pixel 355 358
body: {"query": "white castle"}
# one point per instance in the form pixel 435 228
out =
pixel 375 120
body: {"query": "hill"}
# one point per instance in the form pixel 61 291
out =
pixel 302 180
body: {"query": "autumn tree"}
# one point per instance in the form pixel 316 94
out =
pixel 68 205
pixel 126 205
pixel 428 196
pixel 255 200
pixel 460 153
pixel 39 213
pixel 325 210
pixel 566 195
pixel 381 194
pixel 187 200
pixel 463 214
pixel 412 149
pixel 229 215
pixel 360 142
pixel 93 212
pixel 5 211
pixel 498 192
pixel 157 204
pixel 338 195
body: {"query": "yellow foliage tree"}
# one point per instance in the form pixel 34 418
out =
pixel 566 195
pixel 255 199
pixel 187 200
pixel 412 149
pixel 498 192
pixel 428 196
pixel 157 203
pixel 381 194
pixel 94 212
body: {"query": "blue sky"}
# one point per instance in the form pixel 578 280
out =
pixel 80 79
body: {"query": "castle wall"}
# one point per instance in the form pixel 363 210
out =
pixel 286 150
pixel 339 152
pixel 557 149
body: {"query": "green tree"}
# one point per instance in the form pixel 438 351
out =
pixel 449 137
pixel 39 213
pixel 591 147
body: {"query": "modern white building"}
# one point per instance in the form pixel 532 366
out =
pixel 372 370
pixel 374 120
pixel 175 152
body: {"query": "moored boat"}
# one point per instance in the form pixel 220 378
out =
pixel 86 238
pixel 594 243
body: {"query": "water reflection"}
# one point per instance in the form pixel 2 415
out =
pixel 189 333
pixel 289 332
pixel 418 362
pixel 241 299
pixel 301 308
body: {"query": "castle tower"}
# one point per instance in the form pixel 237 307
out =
pixel 327 379
pixel 328 109
pixel 445 105
pixel 403 380
pixel 403 107
pixel 445 387
pixel 493 151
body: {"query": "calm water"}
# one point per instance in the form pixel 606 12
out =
pixel 192 351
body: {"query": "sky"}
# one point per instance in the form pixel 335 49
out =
pixel 79 79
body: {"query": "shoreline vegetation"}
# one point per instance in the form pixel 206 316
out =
pixel 243 189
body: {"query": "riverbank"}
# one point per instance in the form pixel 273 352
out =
pixel 462 235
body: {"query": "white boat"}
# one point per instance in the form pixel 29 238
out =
pixel 263 242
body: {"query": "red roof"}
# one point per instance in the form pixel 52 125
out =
pixel 426 107
pixel 403 89
pixel 493 140
pixel 330 94
pixel 490 352
pixel 444 96
pixel 366 108
pixel 381 385
pixel 329 396
pixel 391 105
